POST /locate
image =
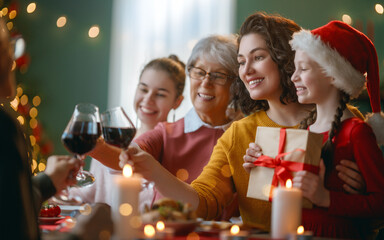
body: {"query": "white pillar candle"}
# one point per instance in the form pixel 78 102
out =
pixel 286 210
pixel 125 204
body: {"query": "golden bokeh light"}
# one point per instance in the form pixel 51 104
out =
pixel 15 103
pixel 182 174
pixel 94 31
pixel 125 209
pixel 21 120
pixel 379 8
pixel 135 221
pixel 347 19
pixel 193 236
pixel 24 100
pixel 32 139
pixel 14 65
pixel 160 225
pixel 235 229
pixel 36 101
pixel 19 91
pixel 149 231
pixel 61 21
pixel 226 171
pixel 9 25
pixel 41 167
pixel 33 112
pixel 31 7
pixel 4 11
pixel 33 123
pixel 127 171
pixel 34 165
pixel 300 230
pixel 12 14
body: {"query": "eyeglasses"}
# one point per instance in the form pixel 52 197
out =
pixel 215 77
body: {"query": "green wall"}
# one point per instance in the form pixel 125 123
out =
pixel 67 67
pixel 312 14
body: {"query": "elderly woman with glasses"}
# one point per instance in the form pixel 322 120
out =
pixel 185 146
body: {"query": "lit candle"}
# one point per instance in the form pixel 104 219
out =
pixel 149 232
pixel 301 234
pixel 163 232
pixel 234 234
pixel 125 204
pixel 286 210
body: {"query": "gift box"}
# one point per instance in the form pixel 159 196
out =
pixel 285 151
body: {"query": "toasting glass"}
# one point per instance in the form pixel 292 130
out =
pixel 80 137
pixel 118 129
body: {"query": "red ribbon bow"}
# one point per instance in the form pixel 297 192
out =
pixel 282 167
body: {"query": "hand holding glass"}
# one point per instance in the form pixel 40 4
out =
pixel 80 136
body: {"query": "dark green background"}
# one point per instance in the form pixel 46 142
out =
pixel 68 67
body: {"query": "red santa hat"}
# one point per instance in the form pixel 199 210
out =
pixel 348 56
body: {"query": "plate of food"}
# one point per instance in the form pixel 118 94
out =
pixel 50 214
pixel 173 214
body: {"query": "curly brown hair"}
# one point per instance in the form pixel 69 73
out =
pixel 277 32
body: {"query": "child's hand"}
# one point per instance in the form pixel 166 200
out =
pixel 350 174
pixel 312 186
pixel 253 152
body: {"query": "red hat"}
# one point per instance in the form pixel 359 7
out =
pixel 346 54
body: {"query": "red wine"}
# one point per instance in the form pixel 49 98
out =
pixel 119 137
pixel 81 138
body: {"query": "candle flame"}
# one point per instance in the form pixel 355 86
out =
pixel 127 170
pixel 300 230
pixel 288 184
pixel 149 231
pixel 160 225
pixel 235 229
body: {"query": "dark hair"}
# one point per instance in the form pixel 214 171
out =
pixel 277 32
pixel 171 65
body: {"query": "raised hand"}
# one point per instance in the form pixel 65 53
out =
pixel 142 162
pixel 253 152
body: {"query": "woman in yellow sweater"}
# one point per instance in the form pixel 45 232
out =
pixel 266 64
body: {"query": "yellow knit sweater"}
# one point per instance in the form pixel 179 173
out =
pixel 224 174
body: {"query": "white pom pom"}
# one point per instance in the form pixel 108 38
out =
pixel 376 121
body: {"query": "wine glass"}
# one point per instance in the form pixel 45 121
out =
pixel 118 129
pixel 80 137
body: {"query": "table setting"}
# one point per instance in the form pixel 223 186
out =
pixel 166 218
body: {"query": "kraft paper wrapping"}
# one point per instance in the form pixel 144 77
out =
pixel 267 138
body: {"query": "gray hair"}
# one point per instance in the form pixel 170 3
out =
pixel 217 48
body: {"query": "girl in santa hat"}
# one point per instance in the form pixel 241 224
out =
pixel 331 63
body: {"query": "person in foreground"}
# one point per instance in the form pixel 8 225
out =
pixel 330 65
pixel 21 194
pixel 160 89
pixel 267 94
